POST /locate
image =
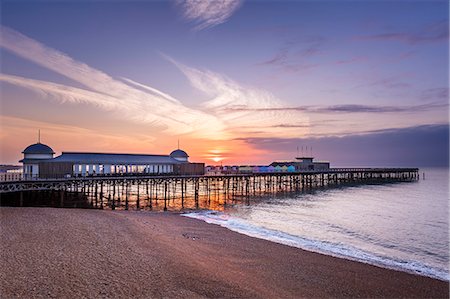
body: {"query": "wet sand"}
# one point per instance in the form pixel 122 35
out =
pixel 73 253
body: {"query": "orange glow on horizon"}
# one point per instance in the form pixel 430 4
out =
pixel 18 133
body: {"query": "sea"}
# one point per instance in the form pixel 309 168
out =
pixel 402 226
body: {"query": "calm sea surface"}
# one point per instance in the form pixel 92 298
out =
pixel 402 226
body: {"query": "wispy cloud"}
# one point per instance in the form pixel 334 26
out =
pixel 232 109
pixel 348 108
pixel 439 95
pixel 297 54
pixel 353 108
pixel 64 93
pixel 435 32
pixel 135 101
pixel 205 13
pixel 351 60
pixel 242 108
pixel 144 104
pixel 393 83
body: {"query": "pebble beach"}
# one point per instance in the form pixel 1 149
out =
pixel 81 253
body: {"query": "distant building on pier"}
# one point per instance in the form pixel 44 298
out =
pixel 10 173
pixel 297 165
pixel 303 163
pixel 38 162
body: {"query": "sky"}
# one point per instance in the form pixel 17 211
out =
pixel 356 83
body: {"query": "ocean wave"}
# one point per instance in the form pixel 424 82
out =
pixel 338 250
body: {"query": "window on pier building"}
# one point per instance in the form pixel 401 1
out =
pixel 121 168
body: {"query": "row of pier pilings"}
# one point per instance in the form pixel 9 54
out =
pixel 198 192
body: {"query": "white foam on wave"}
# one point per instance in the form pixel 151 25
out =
pixel 338 250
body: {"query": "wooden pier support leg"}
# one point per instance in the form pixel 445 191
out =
pixel 247 191
pixel 224 192
pixel 165 196
pixel 182 193
pixel 218 190
pixel 208 191
pixel 80 194
pixel 91 194
pixel 101 195
pixel 61 198
pixel 118 194
pixel 233 189
pixel 138 204
pixel 150 197
pixel 114 192
pixel 21 199
pixel 113 204
pixel 126 196
pixel 96 195
pixel 146 191
pixel 169 184
pixel 196 187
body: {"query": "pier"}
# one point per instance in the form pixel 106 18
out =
pixel 179 192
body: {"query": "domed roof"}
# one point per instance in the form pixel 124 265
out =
pixel 179 154
pixel 38 148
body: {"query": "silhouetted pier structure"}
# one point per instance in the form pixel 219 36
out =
pixel 196 191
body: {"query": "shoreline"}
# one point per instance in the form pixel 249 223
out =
pixel 74 253
pixel 286 239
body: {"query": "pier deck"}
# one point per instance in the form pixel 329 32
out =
pixel 196 191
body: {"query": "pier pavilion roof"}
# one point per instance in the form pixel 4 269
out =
pixel 179 154
pixel 38 148
pixel 110 158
